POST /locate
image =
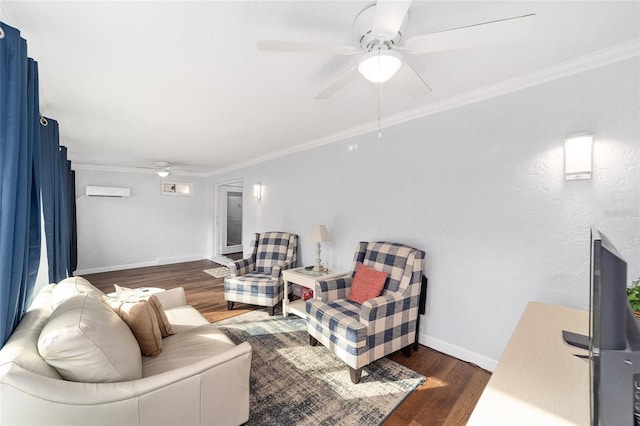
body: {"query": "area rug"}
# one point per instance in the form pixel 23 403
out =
pixel 218 272
pixel 293 383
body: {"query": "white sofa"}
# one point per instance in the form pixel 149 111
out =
pixel 199 378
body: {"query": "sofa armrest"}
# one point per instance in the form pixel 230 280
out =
pixel 46 390
pixel 334 288
pixel 172 298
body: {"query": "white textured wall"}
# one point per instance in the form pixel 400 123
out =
pixel 481 189
pixel 146 229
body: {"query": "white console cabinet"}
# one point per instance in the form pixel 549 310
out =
pixel 538 380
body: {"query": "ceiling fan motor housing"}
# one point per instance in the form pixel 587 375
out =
pixel 367 40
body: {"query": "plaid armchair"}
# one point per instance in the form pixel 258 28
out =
pixel 362 333
pixel 257 279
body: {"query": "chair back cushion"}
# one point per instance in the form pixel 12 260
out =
pixel 388 257
pixel 273 248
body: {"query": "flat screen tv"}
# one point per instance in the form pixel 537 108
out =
pixel 614 344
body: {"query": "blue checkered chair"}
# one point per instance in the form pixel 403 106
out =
pixel 362 333
pixel 257 279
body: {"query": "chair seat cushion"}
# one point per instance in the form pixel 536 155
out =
pixel 253 283
pixel 340 319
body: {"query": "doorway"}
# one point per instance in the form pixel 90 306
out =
pixel 232 241
pixel 228 220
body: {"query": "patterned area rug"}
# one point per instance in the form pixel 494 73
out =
pixel 218 272
pixel 293 383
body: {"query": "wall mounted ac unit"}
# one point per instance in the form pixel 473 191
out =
pixel 107 191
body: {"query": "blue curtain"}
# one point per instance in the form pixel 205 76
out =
pixel 58 203
pixel 73 223
pixel 64 238
pixel 19 179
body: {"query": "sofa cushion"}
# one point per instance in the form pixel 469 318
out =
pixel 85 341
pixel 73 286
pixel 142 321
pixel 129 295
pixel 187 347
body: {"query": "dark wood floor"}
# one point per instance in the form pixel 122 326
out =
pixel 447 397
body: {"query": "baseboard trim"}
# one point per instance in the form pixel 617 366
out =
pixel 458 352
pixel 165 261
pixel 220 259
pixel 113 268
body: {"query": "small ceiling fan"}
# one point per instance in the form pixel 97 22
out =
pixel 165 168
pixel 379 33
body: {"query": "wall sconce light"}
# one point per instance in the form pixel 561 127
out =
pixel 577 157
pixel 257 191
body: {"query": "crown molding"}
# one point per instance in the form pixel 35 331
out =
pixel 574 66
pixel 138 170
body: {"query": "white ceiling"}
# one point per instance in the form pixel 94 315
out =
pixel 135 82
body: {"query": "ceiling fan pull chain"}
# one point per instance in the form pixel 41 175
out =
pixel 379 128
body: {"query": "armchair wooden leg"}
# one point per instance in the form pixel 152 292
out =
pixel 356 375
pixel 229 305
pixel 270 310
pixel 406 351
pixel 312 340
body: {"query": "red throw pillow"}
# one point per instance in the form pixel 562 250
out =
pixel 367 284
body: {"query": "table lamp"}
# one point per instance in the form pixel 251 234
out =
pixel 318 234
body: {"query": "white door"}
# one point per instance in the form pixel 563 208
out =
pixel 232 242
pixel 229 218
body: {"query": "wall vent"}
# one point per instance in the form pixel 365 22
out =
pixel 107 191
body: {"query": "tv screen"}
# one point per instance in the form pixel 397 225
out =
pixel 614 348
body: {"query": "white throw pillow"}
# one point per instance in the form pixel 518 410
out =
pixel 70 287
pixel 85 341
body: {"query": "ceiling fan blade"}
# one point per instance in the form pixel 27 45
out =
pixel 415 86
pixel 295 46
pixel 505 30
pixel 390 15
pixel 347 77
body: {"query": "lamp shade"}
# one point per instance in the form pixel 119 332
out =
pixel 318 233
pixel 163 172
pixel 379 66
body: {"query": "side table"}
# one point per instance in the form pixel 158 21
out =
pixel 306 278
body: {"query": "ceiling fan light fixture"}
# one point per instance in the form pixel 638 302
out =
pixel 379 66
pixel 162 168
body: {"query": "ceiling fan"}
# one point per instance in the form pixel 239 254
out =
pixel 165 168
pixel 379 31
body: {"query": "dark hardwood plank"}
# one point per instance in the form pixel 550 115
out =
pixel 447 397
